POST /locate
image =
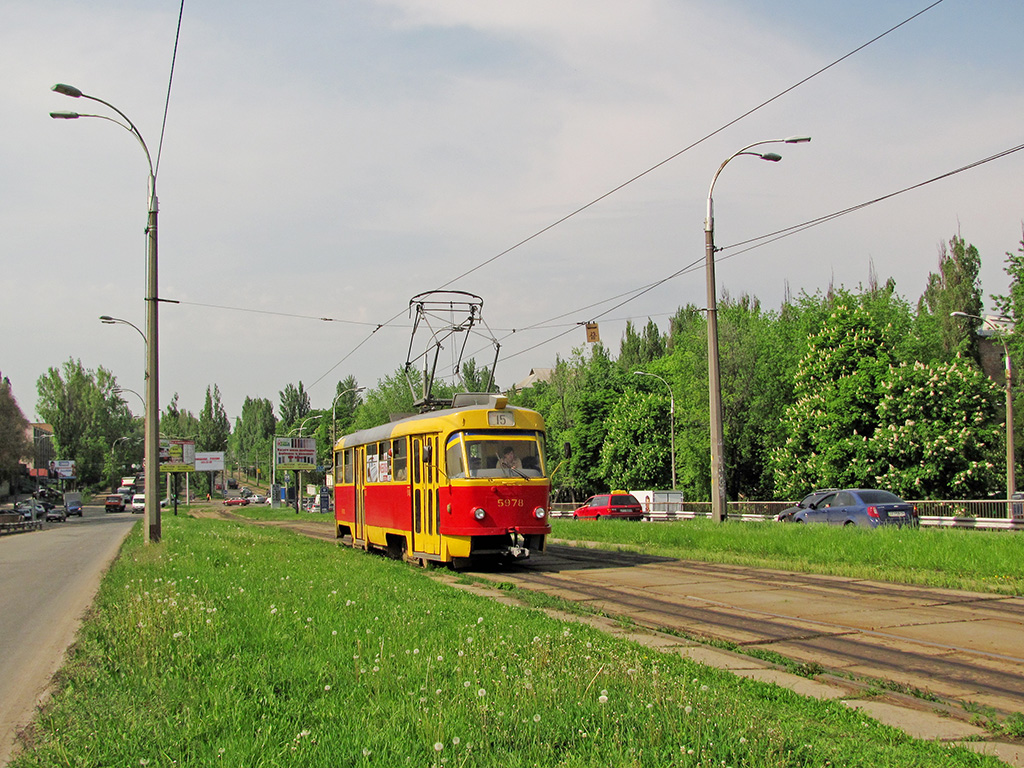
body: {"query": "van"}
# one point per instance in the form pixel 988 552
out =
pixel 138 503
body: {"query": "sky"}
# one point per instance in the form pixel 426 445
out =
pixel 334 159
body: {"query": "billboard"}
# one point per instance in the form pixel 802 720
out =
pixel 295 453
pixel 209 461
pixel 63 469
pixel 177 455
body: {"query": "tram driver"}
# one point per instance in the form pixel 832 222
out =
pixel 508 459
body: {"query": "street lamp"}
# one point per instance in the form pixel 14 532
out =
pixel 308 418
pixel 120 390
pixel 151 523
pixel 1011 470
pixel 108 320
pixel 718 504
pixel 334 436
pixel 671 416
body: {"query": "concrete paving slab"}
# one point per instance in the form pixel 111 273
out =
pixel 921 724
pixel 801 685
pixel 1008 752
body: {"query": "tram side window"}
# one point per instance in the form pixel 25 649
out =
pixel 453 459
pixel 349 465
pixel 384 462
pixel 399 460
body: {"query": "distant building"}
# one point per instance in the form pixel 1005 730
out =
pixel 43 453
pixel 536 374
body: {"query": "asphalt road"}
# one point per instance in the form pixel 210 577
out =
pixel 49 579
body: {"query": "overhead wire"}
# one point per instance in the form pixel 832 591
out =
pixel 651 169
pixel 766 239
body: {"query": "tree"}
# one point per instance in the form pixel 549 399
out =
pixel 637 452
pixel 87 415
pixel 838 385
pixel 938 432
pixel 214 427
pixel 294 404
pixel 14 442
pixel 254 431
pixel 956 287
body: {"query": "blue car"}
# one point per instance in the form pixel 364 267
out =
pixel 863 507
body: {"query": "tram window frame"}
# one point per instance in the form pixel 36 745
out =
pixel 417 460
pixel 399 459
pixel 384 462
pixel 349 465
pixel 454 458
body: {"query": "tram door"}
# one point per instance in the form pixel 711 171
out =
pixel 359 480
pixel 426 513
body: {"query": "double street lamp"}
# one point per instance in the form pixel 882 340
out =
pixel 151 523
pixel 671 417
pixel 718 503
pixel 1011 470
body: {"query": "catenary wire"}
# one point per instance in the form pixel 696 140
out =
pixel 654 167
pixel 762 240
pixel 170 79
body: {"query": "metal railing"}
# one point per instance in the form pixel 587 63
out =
pixel 961 513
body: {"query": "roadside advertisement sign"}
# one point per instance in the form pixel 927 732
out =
pixel 295 453
pixel 209 461
pixel 63 469
pixel 177 455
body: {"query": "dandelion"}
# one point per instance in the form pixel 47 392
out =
pixel 440 658
pixel 687 709
pixel 480 620
pixel 438 746
pixel 481 693
pixel 178 634
pixel 327 687
pixel 415 651
pixel 466 684
pixel 704 688
pixel 536 718
pixel 455 741
pixel 334 631
pixel 366 752
pixel 603 698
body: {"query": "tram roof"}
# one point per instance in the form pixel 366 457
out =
pixel 466 401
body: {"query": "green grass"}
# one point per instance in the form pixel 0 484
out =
pixel 233 645
pixel 983 561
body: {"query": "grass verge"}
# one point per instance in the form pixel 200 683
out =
pixel 980 561
pixel 233 645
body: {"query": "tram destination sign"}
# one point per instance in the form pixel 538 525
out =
pixel 295 453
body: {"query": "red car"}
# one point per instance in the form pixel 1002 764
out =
pixel 238 502
pixel 614 504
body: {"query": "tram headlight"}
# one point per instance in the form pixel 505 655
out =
pixel 539 513
pixel 479 513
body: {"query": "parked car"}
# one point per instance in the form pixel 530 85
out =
pixel 57 515
pixel 138 503
pixel 115 503
pixel 30 508
pixel 867 508
pixel 810 501
pixel 127 491
pixel 238 501
pixel 614 504
pixel 258 498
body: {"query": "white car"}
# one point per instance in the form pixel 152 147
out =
pixel 258 498
pixel 139 502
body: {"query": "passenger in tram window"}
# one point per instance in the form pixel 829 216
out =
pixel 509 460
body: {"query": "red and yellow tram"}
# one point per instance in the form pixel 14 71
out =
pixel 465 482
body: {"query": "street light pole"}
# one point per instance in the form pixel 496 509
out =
pixel 151 522
pixel 334 434
pixel 718 497
pixel 1011 469
pixel 671 417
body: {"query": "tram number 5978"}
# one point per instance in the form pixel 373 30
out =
pixel 510 502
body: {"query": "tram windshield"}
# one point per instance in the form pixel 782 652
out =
pixel 481 454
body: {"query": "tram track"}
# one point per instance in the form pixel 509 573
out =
pixel 956 646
